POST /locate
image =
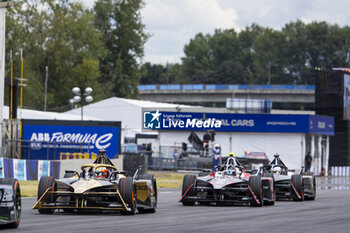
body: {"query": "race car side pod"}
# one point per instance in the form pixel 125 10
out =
pixel 256 200
pixel 186 192
pixel 295 190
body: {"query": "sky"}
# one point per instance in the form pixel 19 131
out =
pixel 173 23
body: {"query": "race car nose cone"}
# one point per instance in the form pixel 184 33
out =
pixel 82 186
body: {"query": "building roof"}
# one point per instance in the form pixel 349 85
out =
pixel 41 115
pixel 121 102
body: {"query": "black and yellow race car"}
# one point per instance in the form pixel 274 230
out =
pixel 10 202
pixel 99 186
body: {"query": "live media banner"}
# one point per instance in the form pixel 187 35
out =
pixel 28 169
pixel 230 122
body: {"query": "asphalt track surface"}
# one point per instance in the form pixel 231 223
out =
pixel 330 212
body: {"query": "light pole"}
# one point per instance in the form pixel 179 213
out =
pixel 79 96
pixel 3 7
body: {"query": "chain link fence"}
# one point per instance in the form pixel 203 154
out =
pixel 171 157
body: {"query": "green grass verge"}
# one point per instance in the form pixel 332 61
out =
pixel 29 188
pixel 165 179
pixel 169 179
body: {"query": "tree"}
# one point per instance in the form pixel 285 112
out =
pixel 153 73
pixel 124 38
pixel 268 57
pixel 289 56
pixel 246 45
pixel 226 53
pixel 197 63
pixel 62 36
pixel 296 47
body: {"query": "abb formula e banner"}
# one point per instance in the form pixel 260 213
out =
pixel 229 122
pixel 47 139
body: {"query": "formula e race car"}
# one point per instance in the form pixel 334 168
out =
pixel 99 186
pixel 288 184
pixel 10 202
pixel 230 183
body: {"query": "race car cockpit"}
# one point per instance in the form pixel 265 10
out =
pixel 98 171
pixel 230 167
pixel 275 167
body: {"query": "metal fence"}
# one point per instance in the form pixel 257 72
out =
pixel 188 163
pixel 172 157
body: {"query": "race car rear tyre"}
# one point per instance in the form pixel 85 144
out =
pixel 16 198
pixel 297 186
pixel 45 183
pixel 154 192
pixel 188 186
pixel 255 186
pixel 127 189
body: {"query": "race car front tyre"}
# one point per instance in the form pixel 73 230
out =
pixel 126 188
pixel 297 189
pixel 271 195
pixel 188 190
pixel 313 186
pixel 16 199
pixel 256 189
pixel 154 193
pixel 45 183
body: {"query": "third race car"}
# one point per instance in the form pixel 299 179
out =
pixel 289 184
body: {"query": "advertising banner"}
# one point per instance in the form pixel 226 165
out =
pixel 47 139
pixel 178 121
pixel 346 97
pixel 228 122
pixel 321 124
pixel 261 122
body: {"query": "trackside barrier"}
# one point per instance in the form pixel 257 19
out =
pixel 28 169
pixel 341 171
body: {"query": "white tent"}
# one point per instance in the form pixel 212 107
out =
pixel 128 111
pixel 41 115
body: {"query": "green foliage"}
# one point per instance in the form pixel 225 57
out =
pixel 124 38
pixel 290 54
pixel 156 73
pixel 103 48
pixel 100 48
pixel 60 35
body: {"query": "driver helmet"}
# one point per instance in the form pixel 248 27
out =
pixel 217 148
pixel 101 172
pixel 277 170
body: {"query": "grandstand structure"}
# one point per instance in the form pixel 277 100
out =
pixel 203 94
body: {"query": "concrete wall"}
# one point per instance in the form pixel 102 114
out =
pixel 75 164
